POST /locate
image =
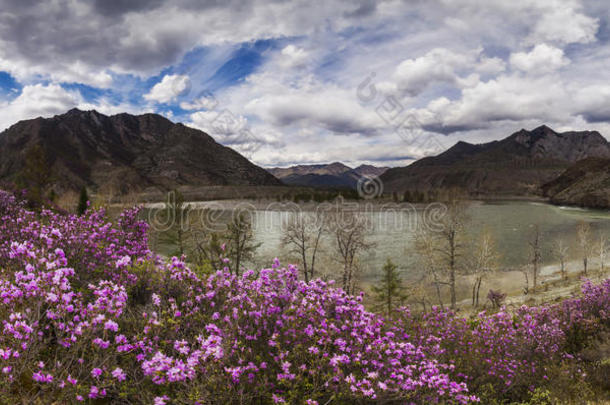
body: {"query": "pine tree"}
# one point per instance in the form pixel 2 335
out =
pixel 83 200
pixel 390 292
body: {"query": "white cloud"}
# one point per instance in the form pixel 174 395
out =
pixel 293 56
pixel 169 88
pixel 37 100
pixel 507 98
pixel 40 100
pixel 207 102
pixel 541 59
pixel 564 24
pixel 439 65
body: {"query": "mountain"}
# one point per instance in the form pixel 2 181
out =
pixel 586 183
pixel 516 165
pixel 333 175
pixel 125 153
pixel 332 169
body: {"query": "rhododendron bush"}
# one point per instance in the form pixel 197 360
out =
pixel 89 314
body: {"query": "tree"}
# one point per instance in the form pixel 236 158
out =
pixel 535 255
pixel 175 223
pixel 349 230
pixel 452 241
pixel 240 242
pixel 83 201
pixel 584 241
pixel 429 260
pixel 443 245
pixel 36 174
pixel 483 262
pixel 302 234
pixel 560 249
pixel 390 291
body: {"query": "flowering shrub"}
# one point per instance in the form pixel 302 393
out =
pixel 89 314
pixel 92 245
pixel 512 352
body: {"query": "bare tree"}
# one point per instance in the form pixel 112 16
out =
pixel 302 234
pixel 452 243
pixel 483 262
pixel 584 241
pixel 240 242
pixel 535 255
pixel 443 246
pixel 426 245
pixel 349 230
pixel 560 249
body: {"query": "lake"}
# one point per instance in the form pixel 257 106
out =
pixel 392 229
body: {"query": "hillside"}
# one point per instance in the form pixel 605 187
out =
pixel 585 183
pixel 516 165
pixel 125 153
pixel 334 175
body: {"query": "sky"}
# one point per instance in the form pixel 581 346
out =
pixel 305 82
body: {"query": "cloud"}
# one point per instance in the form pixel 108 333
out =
pixel 233 130
pixel 205 102
pixel 507 98
pixel 169 88
pixel 566 25
pixel 542 59
pixel 294 56
pixel 439 65
pixel 40 100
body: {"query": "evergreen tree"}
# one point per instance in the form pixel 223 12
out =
pixel 36 174
pixel 83 199
pixel 389 294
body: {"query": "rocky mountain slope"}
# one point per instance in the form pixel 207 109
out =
pixel 125 153
pixel 333 175
pixel 516 165
pixel 586 183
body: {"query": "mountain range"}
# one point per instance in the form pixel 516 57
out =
pixel 125 153
pixel 333 175
pixel 518 165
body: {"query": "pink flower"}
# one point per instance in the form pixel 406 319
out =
pixel 118 374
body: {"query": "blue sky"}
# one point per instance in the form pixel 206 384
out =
pixel 381 82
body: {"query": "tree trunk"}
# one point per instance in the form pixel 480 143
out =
pixel 452 270
pixel 479 289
